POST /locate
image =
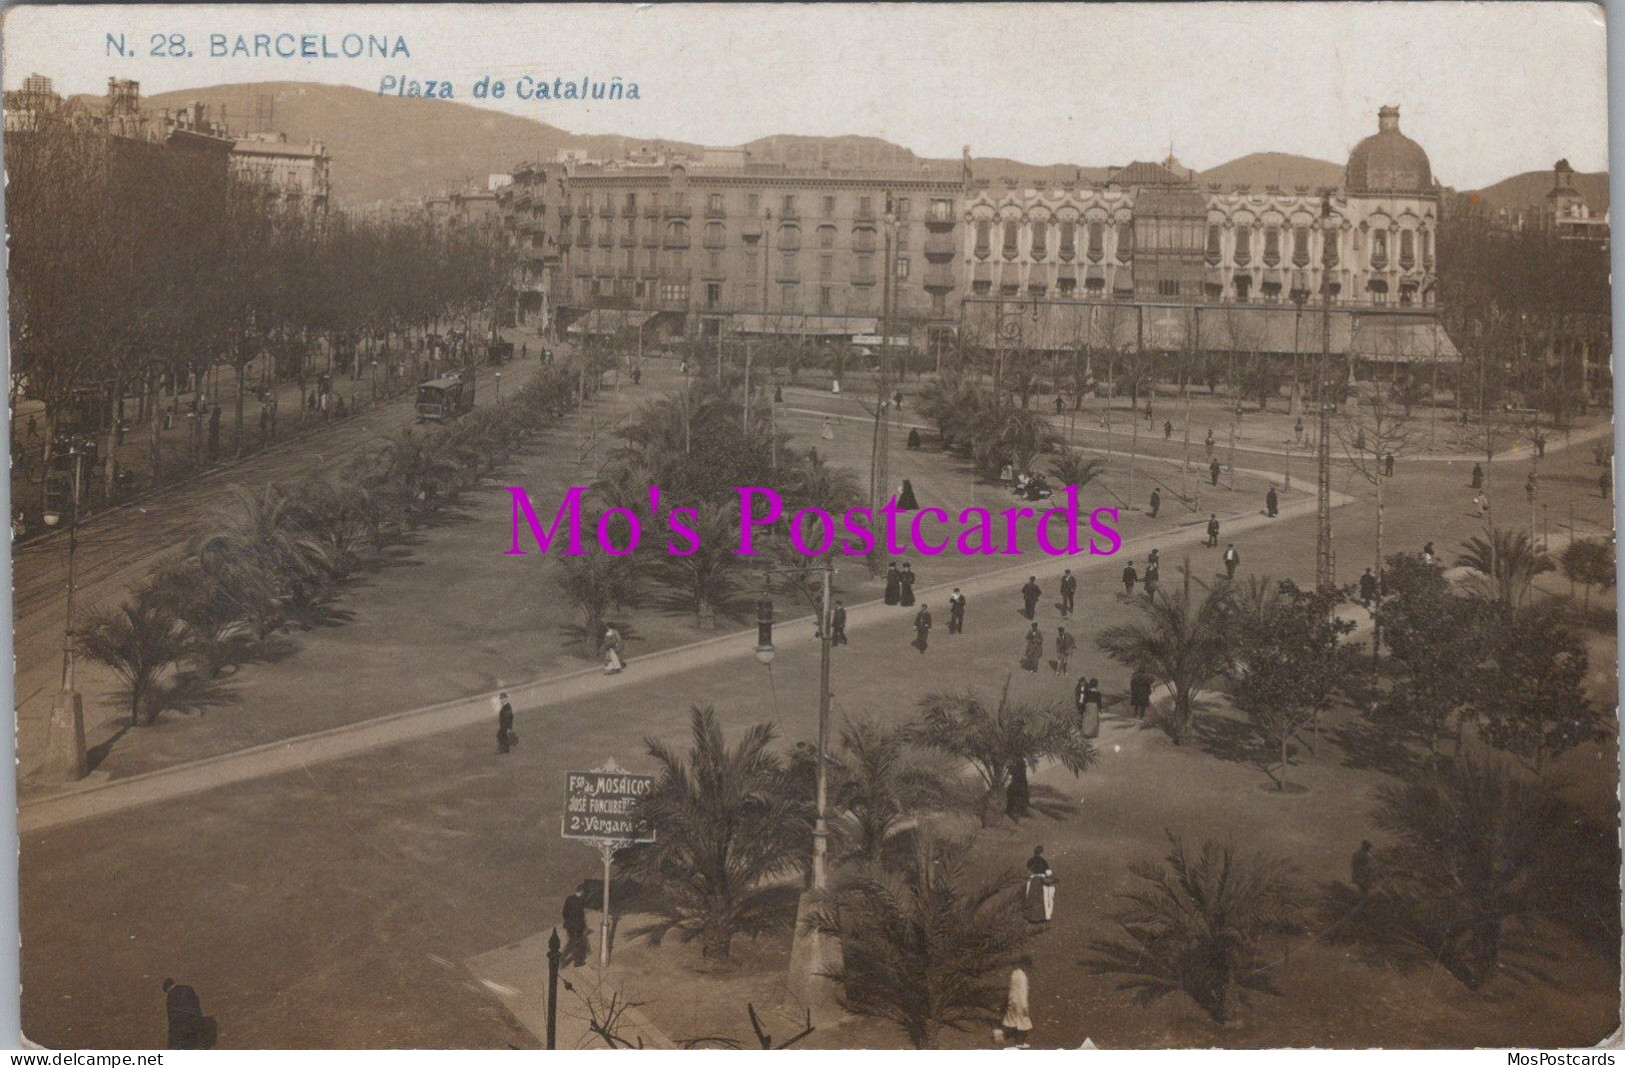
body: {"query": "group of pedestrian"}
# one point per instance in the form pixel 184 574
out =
pixel 900 584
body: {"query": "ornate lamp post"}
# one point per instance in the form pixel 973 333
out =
pixel 65 741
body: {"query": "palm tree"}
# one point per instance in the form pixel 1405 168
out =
pixel 876 788
pixel 1181 641
pixel 597 584
pixel 1000 742
pixel 266 533
pixel 1197 924
pixel 707 581
pixel 924 948
pixel 1072 467
pixel 727 828
pixel 139 641
pixel 1507 563
pixel 1015 435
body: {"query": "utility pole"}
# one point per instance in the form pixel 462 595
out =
pixel 1325 573
pixel 880 477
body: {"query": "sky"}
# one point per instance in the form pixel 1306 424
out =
pixel 1488 89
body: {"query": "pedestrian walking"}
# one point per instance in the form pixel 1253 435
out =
pixel 188 1027
pixel 1368 588
pixel 1152 577
pixel 505 733
pixel 897 399
pixel 837 625
pixel 1360 868
pixel 575 927
pixel 894 584
pixel 1017 1021
pixel 1272 503
pixel 1478 476
pixel 1040 891
pixel 1213 530
pixel 1481 504
pixel 922 628
pixel 1232 560
pixel 906 501
pixel 1156 502
pixel 1213 470
pixel 1540 446
pixel 905 585
pixel 1208 441
pixel 828 433
pixel 914 439
pixel 1427 553
pixel 1069 592
pixel 612 651
pixel 1167 430
pixel 956 612
pixel 1058 404
pixel 1065 644
pixel 1388 465
pixel 1297 429
pixel 1089 703
pixel 1148 417
pixel 1030 594
pixel 1130 577
pixel 1033 649
pixel 1139 693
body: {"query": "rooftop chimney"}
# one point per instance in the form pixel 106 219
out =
pixel 1388 119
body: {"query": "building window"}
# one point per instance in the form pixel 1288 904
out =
pixel 586 230
pixel 902 268
pixel 716 202
pixel 982 286
pixel 713 262
pixel 942 211
pixel 826 267
pixel 866 207
pixel 1243 284
pixel 713 294
pixel 1272 247
pixel 679 201
pixel 586 202
pixel 674 292
pixel 1407 254
pixel 654 261
pixel 1300 246
pixel 1125 242
pixel 1011 240
pixel 631 202
pixel 984 239
pixel 1040 240
pixel 826 237
pixel 1379 249
pixel 751 265
pixel 1329 248
pixel 1213 238
pixel 789 204
pixel 826 299
pixel 829 207
pixel 754 203
pixel 787 266
pixel 790 297
pixel 1069 238
pixel 1244 245
pixel 1097 240
pixel 1167 287
pixel 902 207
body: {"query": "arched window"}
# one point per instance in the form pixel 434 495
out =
pixel 1069 240
pixel 1040 239
pixel 1125 242
pixel 1300 246
pixel 1244 245
pixel 1097 240
pixel 1407 249
pixel 1213 236
pixel 1272 247
pixel 1011 240
pixel 984 237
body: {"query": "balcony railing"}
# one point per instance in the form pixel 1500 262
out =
pixel 716 213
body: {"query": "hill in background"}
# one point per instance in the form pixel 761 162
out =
pixel 1259 169
pixel 1531 187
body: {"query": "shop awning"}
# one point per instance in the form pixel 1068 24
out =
pixel 1403 339
pixel 602 321
pixel 802 325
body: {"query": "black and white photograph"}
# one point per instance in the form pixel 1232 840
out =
pixel 964 527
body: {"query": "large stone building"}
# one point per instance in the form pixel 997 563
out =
pixel 295 172
pixel 790 239
pixel 531 204
pixel 1151 259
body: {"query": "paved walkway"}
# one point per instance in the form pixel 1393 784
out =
pixel 85 802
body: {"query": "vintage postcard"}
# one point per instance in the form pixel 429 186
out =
pixel 758 526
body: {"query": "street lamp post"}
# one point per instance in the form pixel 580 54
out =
pixel 812 955
pixel 65 740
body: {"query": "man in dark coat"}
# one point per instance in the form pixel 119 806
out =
pixel 1152 577
pixel 188 1027
pixel 1388 465
pixel 914 439
pixel 1272 503
pixel 1167 430
pixel 1033 650
pixel 1213 472
pixel 505 736
pixel 905 588
pixel 1156 502
pixel 956 612
pixel 1069 592
pixel 837 625
pixel 1065 645
pixel 1213 530
pixel 894 584
pixel 922 628
pixel 575 926
pixel 1130 577
pixel 1030 594
pixel 1139 692
pixel 1232 560
pixel 1478 476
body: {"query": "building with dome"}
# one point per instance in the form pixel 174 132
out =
pixel 1152 258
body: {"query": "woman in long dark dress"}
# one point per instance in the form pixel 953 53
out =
pixel 906 501
pixel 894 584
pixel 906 585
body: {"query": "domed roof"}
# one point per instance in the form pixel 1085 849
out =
pixel 1388 161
